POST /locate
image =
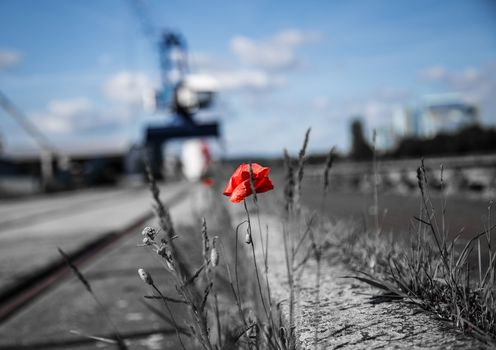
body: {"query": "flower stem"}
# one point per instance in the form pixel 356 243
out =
pixel 171 314
pixel 255 261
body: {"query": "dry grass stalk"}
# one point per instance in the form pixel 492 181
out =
pixel 300 171
pixel 254 332
pixel 118 338
pixel 289 183
pixel 432 272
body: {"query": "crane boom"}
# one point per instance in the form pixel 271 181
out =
pixel 48 151
pixel 172 50
pixel 12 110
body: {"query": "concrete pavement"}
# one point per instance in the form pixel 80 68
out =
pixel 31 230
pixel 47 322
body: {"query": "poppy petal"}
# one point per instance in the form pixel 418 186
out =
pixel 240 174
pixel 259 171
pixel 242 191
pixel 264 185
pixel 234 181
pixel 231 185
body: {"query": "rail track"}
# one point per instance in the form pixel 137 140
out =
pixel 19 295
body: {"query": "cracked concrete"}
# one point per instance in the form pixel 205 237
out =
pixel 346 318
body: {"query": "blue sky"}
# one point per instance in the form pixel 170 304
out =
pixel 79 68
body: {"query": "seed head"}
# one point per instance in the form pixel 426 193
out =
pixel 420 179
pixel 162 251
pixel 165 253
pixel 149 232
pixel 289 183
pixel 214 254
pixel 145 276
pixel 206 245
pixel 329 161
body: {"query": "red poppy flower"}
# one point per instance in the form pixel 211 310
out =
pixel 239 186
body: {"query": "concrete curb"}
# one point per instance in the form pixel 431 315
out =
pixel 346 316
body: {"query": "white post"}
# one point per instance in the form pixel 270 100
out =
pixel 46 169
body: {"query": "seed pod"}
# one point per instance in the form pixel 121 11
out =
pixel 168 259
pixel 248 237
pixel 162 251
pixel 145 276
pixel 420 179
pixel 169 264
pixel 206 246
pixel 165 253
pixel 214 254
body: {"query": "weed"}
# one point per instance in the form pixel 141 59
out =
pixel 431 270
pixel 196 285
pixel 118 338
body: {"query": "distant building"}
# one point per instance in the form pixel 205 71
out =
pixel 446 113
pixel 405 122
pixel 384 139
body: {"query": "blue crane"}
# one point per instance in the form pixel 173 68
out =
pixel 175 97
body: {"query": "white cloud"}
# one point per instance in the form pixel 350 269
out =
pixel 246 79
pixel 260 66
pixel 128 87
pixel 377 113
pixel 276 52
pixel 63 116
pixel 9 58
pixel 467 78
pixel 73 106
pixel 393 94
pixel 295 37
pixel 201 61
pixel 434 73
pixel 476 84
pixel 76 115
pixel 262 54
pixel 220 77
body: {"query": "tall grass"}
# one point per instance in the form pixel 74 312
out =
pixel 432 269
pixel 429 269
pixel 300 242
pixel 195 285
pixel 118 340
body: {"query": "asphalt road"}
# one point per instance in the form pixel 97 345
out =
pixel 397 211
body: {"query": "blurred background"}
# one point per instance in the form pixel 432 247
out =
pixel 86 85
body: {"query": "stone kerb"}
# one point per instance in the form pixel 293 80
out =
pixel 345 316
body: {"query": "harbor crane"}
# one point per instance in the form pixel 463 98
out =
pixel 176 97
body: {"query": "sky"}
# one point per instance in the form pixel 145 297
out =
pixel 79 69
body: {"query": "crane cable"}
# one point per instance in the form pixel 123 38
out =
pixel 26 124
pixel 149 29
